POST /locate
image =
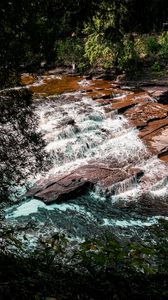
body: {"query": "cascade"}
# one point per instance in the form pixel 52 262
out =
pixel 81 133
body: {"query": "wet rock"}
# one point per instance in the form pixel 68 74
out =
pixel 158 140
pixel 62 189
pixel 51 298
pixel 129 100
pixel 88 77
pixel 164 154
pixel 121 78
pixel 146 205
pixel 160 93
pixel 125 107
pixel 56 85
pixel 146 114
pixel 153 126
pixel 27 79
pixel 77 183
pixel 101 94
pixel 67 121
pixel 143 113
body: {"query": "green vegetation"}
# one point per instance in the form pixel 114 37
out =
pixel 123 36
pixel 20 146
pixel 96 270
pixel 85 33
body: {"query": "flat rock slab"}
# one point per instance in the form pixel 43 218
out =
pixel 147 112
pixel 143 113
pixel 160 93
pixel 153 127
pixel 130 100
pixel 77 183
pixel 158 140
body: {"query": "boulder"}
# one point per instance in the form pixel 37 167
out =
pixel 81 180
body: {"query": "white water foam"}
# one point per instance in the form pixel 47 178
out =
pixel 130 223
pixel 93 134
pixel 33 206
pixel 79 132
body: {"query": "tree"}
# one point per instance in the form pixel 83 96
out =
pixel 21 147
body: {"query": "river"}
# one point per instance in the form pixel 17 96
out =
pixel 83 129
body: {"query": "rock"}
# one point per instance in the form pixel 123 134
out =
pixel 160 93
pixel 158 140
pixel 67 121
pixel 130 100
pixel 77 183
pixel 143 113
pixel 51 298
pixel 88 77
pixel 152 127
pixel 62 190
pixel 149 116
pixel 101 76
pixel 27 79
pixel 164 154
pixel 146 205
pixel 121 78
pixel 124 107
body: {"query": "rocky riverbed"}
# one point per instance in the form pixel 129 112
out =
pixel 107 170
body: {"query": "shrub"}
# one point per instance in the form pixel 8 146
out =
pixel 164 45
pixel 152 45
pixel 156 67
pixel 21 146
pixel 98 51
pixel 129 58
pixel 71 51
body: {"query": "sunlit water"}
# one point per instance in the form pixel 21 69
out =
pixel 77 133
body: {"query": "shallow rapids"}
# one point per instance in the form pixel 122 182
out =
pixel 78 131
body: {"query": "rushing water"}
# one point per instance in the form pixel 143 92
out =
pixel 78 131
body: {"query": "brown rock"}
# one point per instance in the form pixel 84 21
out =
pixel 78 182
pixel 158 139
pixel 124 106
pixel 143 113
pixel 130 101
pixel 160 93
pixel 152 127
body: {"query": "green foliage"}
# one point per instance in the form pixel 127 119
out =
pixel 156 67
pixel 71 51
pixel 120 257
pixel 152 45
pixel 129 58
pixel 98 52
pixel 21 146
pixel 35 31
pixel 97 48
pixel 97 269
pixel 164 45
